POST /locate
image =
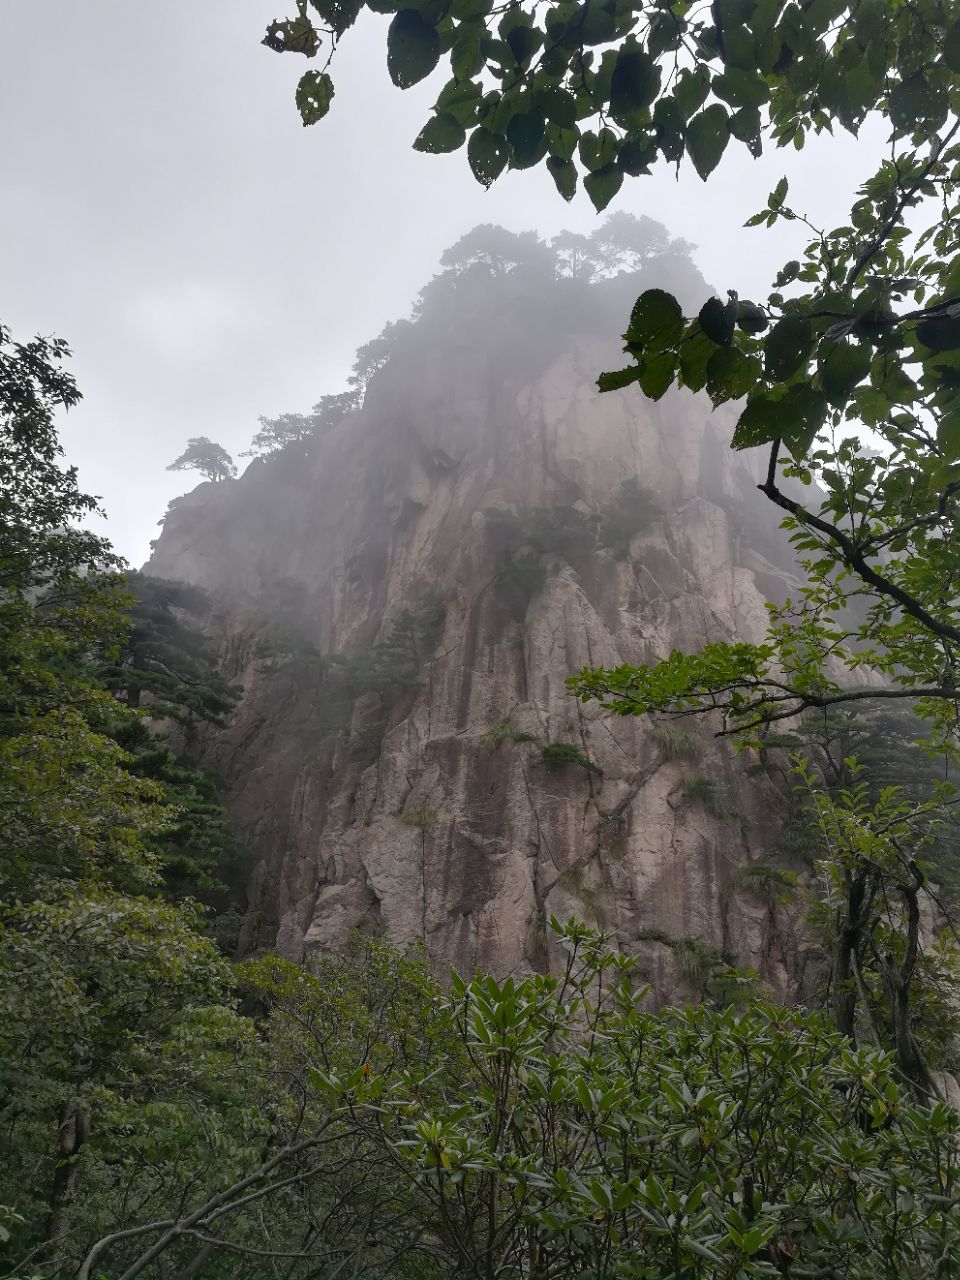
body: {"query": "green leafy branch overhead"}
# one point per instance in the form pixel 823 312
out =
pixel 607 89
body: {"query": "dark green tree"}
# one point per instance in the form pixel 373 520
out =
pixel 203 455
pixel 299 428
pixel 164 661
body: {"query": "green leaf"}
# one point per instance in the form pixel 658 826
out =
pixel 527 143
pixel 619 378
pixel 941 333
pixel 746 125
pixel 635 82
pixel 466 56
pixel 666 34
pixel 751 318
pixel 598 150
pixel 718 321
pixel 656 320
pixel 338 14
pixel 442 133
pixel 314 95
pixel 918 101
pixel 741 88
pixel 692 90
pixel 757 423
pixel 787 347
pixel 523 42
pixel 468 10
pixel 707 136
pixel 564 174
pixel 460 99
pixel 951 48
pixel 657 373
pixel 562 142
pixel 637 155
pixel 843 366
pixel 603 185
pixel 597 24
pixel 731 374
pixel 948 435
pixel 413 48
pixel 668 122
pixel 801 415
pixel 558 106
pixel 696 351
pixel 488 155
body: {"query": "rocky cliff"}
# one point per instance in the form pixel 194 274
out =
pixel 401 602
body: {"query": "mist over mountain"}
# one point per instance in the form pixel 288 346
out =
pixel 402 594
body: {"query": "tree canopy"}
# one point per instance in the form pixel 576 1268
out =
pixel 203 455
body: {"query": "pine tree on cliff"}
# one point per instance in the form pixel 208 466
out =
pixel 203 455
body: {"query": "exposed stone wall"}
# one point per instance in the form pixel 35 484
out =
pixel 392 812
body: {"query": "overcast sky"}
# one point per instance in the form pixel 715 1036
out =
pixel 210 260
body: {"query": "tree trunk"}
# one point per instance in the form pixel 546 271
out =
pixel 71 1137
pixel 844 987
pixel 899 981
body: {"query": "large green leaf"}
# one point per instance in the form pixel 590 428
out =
pixel 919 100
pixel 656 320
pixel 619 378
pixel 488 154
pixel 338 14
pixel 940 333
pixel 951 48
pixel 948 435
pixel 718 320
pixel 741 88
pixel 468 10
pixel 692 90
pixel 558 105
pixel 466 56
pixel 564 174
pixel 527 142
pixel 562 142
pixel 635 81
pixel 843 366
pixel 602 185
pixel 696 351
pixel 442 133
pixel 657 373
pixel 707 136
pixel 801 414
pixel 757 423
pixel 731 374
pixel 598 150
pixel 413 48
pixel 314 95
pixel 787 347
pixel 637 155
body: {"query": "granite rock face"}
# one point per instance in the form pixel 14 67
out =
pixel 386 596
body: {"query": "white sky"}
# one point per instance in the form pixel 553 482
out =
pixel 209 259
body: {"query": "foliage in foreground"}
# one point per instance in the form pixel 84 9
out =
pixel 551 1126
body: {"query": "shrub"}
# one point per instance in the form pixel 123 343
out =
pixel 503 731
pixel 422 816
pixel 676 744
pixel 581 1121
pixel 769 885
pixel 707 793
pixel 555 755
pixel 573 881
